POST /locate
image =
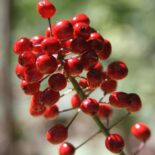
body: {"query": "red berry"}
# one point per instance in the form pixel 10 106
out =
pixel 57 82
pixel 51 112
pixel 57 134
pixel 48 32
pixel 105 110
pixel 135 103
pixel 119 99
pixel 50 46
pixel 46 64
pixel 98 66
pixel 114 143
pixel 90 106
pixel 21 45
pixel 26 58
pixel 66 149
pixel 80 18
pixel 50 97
pixel 30 88
pixel 73 66
pixel 63 30
pixel 82 30
pixel 20 70
pixel 75 101
pixel 117 70
pixel 83 83
pixel 89 59
pixel 109 86
pixel 32 74
pixel 46 9
pixel 95 35
pixel 106 51
pixel 94 78
pixel 78 45
pixel 141 131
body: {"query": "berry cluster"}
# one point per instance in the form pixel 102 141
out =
pixel 73 51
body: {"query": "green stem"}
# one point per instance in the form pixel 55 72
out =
pixel 82 96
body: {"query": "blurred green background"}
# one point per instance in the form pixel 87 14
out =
pixel 129 25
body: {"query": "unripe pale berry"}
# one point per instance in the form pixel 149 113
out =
pixel 57 134
pixel 114 143
pixel 46 9
pixel 141 131
pixel 66 149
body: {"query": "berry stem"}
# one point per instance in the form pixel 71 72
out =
pixel 141 146
pixel 49 22
pixel 90 138
pixel 66 110
pixel 67 92
pixel 119 121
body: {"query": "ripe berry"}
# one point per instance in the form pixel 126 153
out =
pixel 119 99
pixel 98 66
pixel 21 45
pixel 75 101
pixel 89 59
pixel 20 70
pixel 109 86
pixel 117 70
pixel 46 64
pixel 141 131
pixel 66 149
pixel 82 30
pixel 78 45
pixel 50 46
pixel 95 35
pixel 83 83
pixel 46 9
pixel 50 97
pixel 51 112
pixel 135 103
pixel 114 143
pixel 26 58
pixel 57 134
pixel 63 30
pixel 32 74
pixel 80 18
pixel 73 66
pixel 94 78
pixel 57 82
pixel 30 88
pixel 90 106
pixel 105 110
pixel 34 111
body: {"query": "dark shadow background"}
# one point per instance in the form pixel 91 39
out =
pixel 129 25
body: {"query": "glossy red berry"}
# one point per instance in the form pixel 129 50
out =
pixel 51 112
pixel 109 86
pixel 89 59
pixel 80 18
pixel 78 45
pixel 117 70
pixel 119 99
pixel 26 58
pixel 73 67
pixel 94 78
pixel 105 110
pixel 135 103
pixel 46 9
pixel 21 45
pixel 57 134
pixel 20 71
pixel 82 30
pixel 50 97
pixel 50 46
pixel 75 101
pixel 30 88
pixel 66 149
pixel 95 35
pixel 98 66
pixel 32 74
pixel 63 30
pixel 114 143
pixel 57 82
pixel 46 64
pixel 83 83
pixel 141 131
pixel 34 111
pixel 89 106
